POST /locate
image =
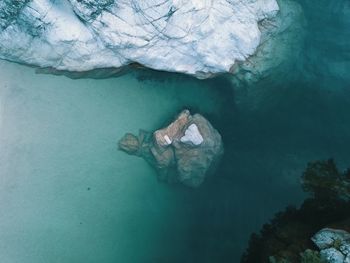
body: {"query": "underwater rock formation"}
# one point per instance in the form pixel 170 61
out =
pixel 199 38
pixel 184 151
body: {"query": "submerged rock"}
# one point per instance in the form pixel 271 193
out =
pixel 184 151
pixel 199 38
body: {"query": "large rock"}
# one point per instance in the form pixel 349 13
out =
pixel 334 245
pixel 280 49
pixel 325 238
pixel 184 151
pixel 198 37
pixel 332 255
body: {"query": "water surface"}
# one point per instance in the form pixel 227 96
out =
pixel 68 195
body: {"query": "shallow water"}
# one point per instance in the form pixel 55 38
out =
pixel 68 195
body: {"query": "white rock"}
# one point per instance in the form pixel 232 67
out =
pixel 198 37
pixel 167 139
pixel 192 136
pixel 325 238
pixel 331 255
pixel 334 245
pixel 345 248
pixel 280 49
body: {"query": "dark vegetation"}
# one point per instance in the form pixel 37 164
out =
pixel 286 238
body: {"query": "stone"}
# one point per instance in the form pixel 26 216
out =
pixel 331 255
pixel 326 237
pixel 280 50
pixel 347 259
pixel 174 130
pixel 129 143
pixel 334 245
pixel 200 37
pixel 192 136
pixel 185 151
pixel 345 248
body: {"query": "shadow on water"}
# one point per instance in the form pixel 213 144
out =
pixel 265 154
pixel 266 149
pixel 268 146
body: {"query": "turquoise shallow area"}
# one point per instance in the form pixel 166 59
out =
pixel 68 195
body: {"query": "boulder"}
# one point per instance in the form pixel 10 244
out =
pixel 334 245
pixel 200 38
pixel 326 237
pixel 185 151
pixel 332 255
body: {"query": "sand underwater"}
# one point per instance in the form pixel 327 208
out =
pixel 68 195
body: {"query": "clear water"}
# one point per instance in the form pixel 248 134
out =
pixel 68 195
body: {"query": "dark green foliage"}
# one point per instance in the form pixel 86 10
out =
pixel 320 178
pixel 311 256
pixel 284 238
pixel 287 237
pixel 274 260
pixel 324 181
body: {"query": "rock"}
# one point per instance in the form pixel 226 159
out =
pixel 280 49
pixel 345 248
pixel 334 245
pixel 347 259
pixel 167 135
pixel 184 151
pixel 199 38
pixel 331 255
pixel 326 237
pixel 192 136
pixel 9 11
pixel 130 144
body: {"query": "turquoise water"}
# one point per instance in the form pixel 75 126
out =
pixel 68 195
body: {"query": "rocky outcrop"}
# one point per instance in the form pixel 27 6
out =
pixel 280 47
pixel 198 37
pixel 184 151
pixel 334 245
pixel 9 12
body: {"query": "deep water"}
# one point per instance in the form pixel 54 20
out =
pixel 68 195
